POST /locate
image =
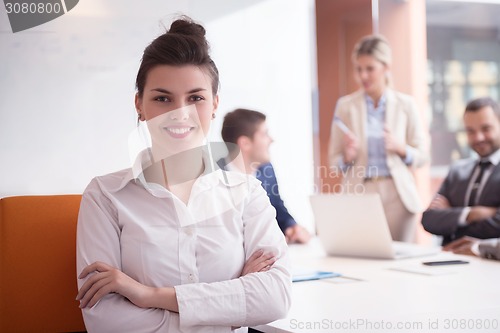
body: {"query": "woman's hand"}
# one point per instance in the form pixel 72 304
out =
pixel 392 145
pixel 258 262
pixel 106 280
pixel 351 147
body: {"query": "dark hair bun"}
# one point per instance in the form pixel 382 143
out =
pixel 188 38
pixel 185 26
pixel 183 44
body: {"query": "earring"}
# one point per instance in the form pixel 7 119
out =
pixel 138 118
pixel 213 115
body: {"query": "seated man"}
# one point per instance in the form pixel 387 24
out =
pixel 468 201
pixel 486 248
pixel 247 129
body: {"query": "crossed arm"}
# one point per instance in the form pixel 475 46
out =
pixel 468 245
pixel 443 218
pixel 107 279
pixel 476 213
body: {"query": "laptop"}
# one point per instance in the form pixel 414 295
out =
pixel 354 225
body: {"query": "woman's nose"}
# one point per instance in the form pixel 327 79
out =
pixel 181 113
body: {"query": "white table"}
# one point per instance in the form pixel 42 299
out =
pixel 374 298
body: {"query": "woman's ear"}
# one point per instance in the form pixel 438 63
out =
pixel 138 107
pixel 216 105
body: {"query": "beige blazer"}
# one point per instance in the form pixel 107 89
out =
pixel 403 121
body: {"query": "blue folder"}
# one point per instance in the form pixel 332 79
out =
pixel 313 275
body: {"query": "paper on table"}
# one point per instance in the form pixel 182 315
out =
pixel 299 275
pixel 343 279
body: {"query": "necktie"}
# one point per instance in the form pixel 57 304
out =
pixel 483 165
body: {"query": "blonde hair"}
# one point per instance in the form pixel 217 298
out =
pixel 375 46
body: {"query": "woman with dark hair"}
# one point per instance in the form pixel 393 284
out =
pixel 377 138
pixel 173 245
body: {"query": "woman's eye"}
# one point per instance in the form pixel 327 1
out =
pixel 196 98
pixel 162 99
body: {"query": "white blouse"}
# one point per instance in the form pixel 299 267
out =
pixel 199 249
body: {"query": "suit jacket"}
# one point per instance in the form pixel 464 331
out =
pixel 403 121
pixel 444 222
pixel 265 173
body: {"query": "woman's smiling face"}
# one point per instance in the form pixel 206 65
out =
pixel 177 104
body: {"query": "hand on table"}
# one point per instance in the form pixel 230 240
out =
pixel 297 234
pixel 462 246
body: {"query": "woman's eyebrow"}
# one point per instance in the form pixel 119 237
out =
pixel 161 90
pixel 165 91
pixel 195 90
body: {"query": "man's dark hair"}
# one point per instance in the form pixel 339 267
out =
pixel 241 122
pixel 479 103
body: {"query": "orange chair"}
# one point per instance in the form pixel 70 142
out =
pixel 38 264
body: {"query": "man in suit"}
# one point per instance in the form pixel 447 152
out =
pixel 468 202
pixel 246 131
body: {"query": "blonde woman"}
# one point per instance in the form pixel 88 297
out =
pixel 376 138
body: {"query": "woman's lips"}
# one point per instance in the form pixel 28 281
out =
pixel 179 132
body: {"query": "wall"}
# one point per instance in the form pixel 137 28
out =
pixel 340 24
pixel 409 71
pixel 267 67
pixel 67 88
